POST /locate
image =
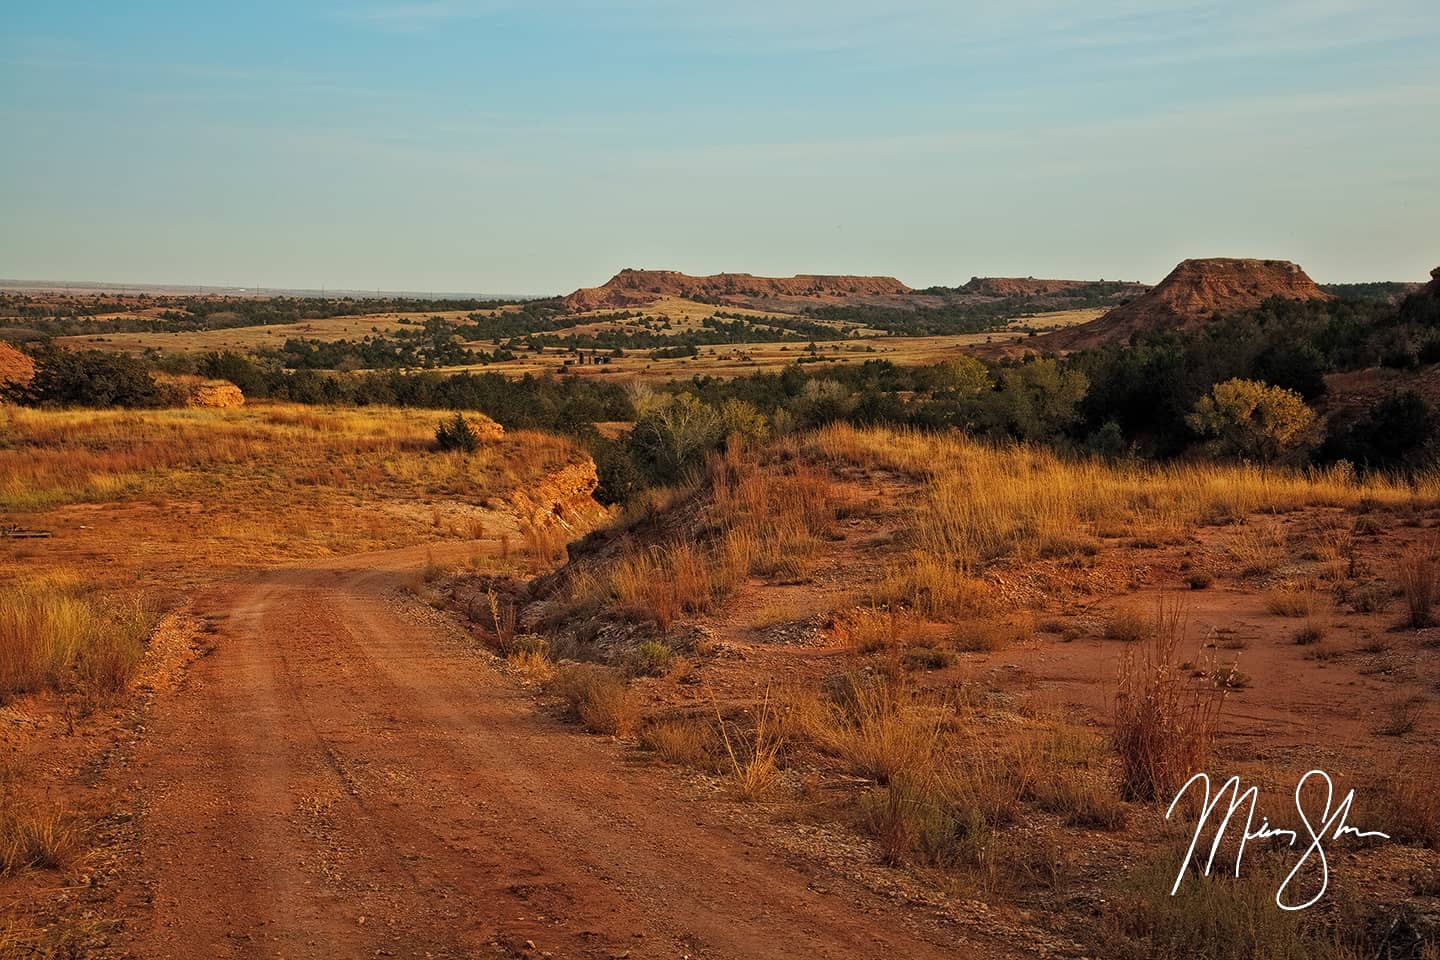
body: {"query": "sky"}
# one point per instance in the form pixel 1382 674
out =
pixel 539 145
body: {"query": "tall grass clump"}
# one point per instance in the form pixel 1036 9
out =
pixel 53 637
pixel 1165 717
pixel 598 697
pixel 1222 917
pixel 34 838
pixel 1419 575
pixel 878 728
pixel 753 754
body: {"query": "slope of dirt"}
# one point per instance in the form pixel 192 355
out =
pixel 1195 291
pixel 344 776
pixel 16 369
pixel 632 288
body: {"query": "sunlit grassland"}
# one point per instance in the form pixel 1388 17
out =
pixel 140 492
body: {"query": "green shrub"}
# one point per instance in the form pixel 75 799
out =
pixel 456 435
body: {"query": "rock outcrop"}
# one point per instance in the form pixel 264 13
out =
pixel 635 288
pixel 565 497
pixel 1194 292
pixel 186 391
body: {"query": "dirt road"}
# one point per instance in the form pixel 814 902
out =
pixel 342 778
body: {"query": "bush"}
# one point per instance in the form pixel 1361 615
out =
pixel 649 658
pixel 1219 917
pixel 92 378
pixel 30 837
pixel 1249 420
pixel 456 434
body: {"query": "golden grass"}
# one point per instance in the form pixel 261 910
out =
pixel 209 489
pixel 689 742
pixel 1293 600
pixel 753 753
pixel 1220 917
pixel 1165 719
pixel 877 728
pixel 986 501
pixel 598 697
pixel 35 837
pixel 52 636
pixel 756 521
pixel 1419 575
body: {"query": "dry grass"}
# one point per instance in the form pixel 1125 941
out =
pixel 1292 600
pixel 753 753
pixel 1404 803
pixel 1219 917
pixel 1164 720
pixel 534 666
pixel 1257 550
pixel 871 629
pixel 545 543
pixel 977 503
pixel 1400 716
pixel 877 727
pixel 1020 497
pixel 648 658
pixel 53 636
pixel 989 636
pixel 1311 633
pixel 688 742
pixel 220 489
pixel 1418 573
pixel 756 520
pixel 1128 625
pixel 34 838
pixel 598 697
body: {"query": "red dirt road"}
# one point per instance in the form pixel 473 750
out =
pixel 342 778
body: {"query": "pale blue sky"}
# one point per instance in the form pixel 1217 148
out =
pixel 485 145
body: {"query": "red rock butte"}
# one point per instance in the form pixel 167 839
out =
pixel 633 288
pixel 1193 293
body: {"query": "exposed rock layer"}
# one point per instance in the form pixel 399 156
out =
pixel 634 288
pixel 1194 292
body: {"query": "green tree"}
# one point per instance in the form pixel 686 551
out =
pixel 964 375
pixel 1037 400
pixel 456 435
pixel 1249 420
pixel 675 436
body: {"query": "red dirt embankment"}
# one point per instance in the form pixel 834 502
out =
pixel 1194 292
pixel 633 288
pixel 16 369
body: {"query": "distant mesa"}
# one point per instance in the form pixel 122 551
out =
pixel 1193 293
pixel 1011 287
pixel 635 288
